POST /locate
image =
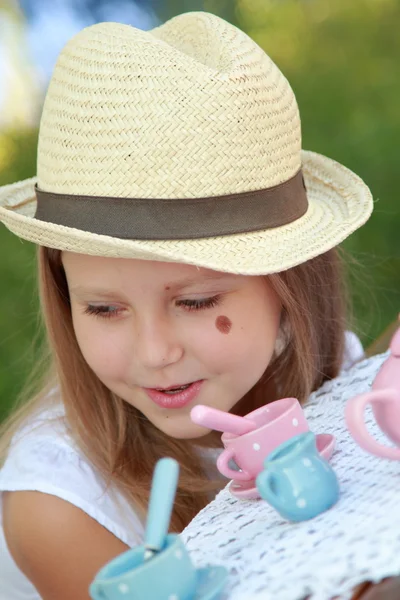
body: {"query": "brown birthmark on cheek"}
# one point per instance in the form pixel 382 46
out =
pixel 223 324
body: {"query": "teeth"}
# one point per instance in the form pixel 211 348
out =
pixel 175 390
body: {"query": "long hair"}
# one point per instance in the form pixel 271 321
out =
pixel 120 442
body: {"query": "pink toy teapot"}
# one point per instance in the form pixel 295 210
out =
pixel 385 402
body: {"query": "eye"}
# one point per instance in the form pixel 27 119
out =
pixel 200 304
pixel 104 312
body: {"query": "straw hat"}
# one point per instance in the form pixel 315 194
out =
pixel 180 144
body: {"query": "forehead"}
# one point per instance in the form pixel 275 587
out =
pixel 89 272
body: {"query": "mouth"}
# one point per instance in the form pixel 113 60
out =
pixel 175 396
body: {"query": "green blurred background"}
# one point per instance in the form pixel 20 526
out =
pixel 341 59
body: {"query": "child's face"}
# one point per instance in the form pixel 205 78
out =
pixel 156 331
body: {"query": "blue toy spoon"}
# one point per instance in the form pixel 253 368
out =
pixel 162 495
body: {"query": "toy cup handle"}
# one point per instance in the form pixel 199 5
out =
pixel 222 465
pixel 264 484
pixel 354 413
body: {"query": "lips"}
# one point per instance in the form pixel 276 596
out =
pixel 177 399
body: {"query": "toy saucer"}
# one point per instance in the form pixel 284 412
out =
pixel 211 580
pixel 247 490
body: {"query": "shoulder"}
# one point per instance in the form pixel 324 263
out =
pixel 55 544
pixel 45 459
pixel 40 451
pixel 43 453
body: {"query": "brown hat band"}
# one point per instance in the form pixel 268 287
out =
pixel 176 219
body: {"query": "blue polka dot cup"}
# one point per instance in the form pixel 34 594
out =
pixel 297 481
pixel 168 575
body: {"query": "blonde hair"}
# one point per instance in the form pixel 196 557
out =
pixel 119 441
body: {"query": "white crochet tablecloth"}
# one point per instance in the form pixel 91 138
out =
pixel 269 558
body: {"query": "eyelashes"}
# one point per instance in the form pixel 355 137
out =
pixel 200 304
pixel 104 312
pixel 109 311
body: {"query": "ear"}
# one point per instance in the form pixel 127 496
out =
pixel 283 336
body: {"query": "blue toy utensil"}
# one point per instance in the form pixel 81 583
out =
pixel 162 496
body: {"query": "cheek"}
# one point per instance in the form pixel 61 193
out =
pixel 103 351
pixel 220 342
pixel 246 336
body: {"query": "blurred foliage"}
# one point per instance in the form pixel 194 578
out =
pixel 18 298
pixel 165 9
pixel 341 59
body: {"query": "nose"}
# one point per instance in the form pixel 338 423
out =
pixel 157 342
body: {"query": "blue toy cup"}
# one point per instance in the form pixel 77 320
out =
pixel 168 574
pixel 297 481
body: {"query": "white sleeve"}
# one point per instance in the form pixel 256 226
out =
pixel 47 464
pixel 353 350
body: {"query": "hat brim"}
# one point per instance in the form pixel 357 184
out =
pixel 339 203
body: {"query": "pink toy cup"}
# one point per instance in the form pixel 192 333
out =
pixel 276 423
pixel 386 408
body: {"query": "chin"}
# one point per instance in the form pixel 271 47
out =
pixel 185 431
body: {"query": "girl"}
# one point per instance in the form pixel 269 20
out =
pixel 186 254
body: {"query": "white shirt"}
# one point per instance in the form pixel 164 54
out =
pixel 44 458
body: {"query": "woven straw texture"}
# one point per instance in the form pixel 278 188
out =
pixel 193 108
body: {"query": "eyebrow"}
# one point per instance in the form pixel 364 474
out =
pixel 173 285
pixel 184 283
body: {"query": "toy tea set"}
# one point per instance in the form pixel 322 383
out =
pixel 249 440
pixel 277 458
pixel 161 568
pixel 297 479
